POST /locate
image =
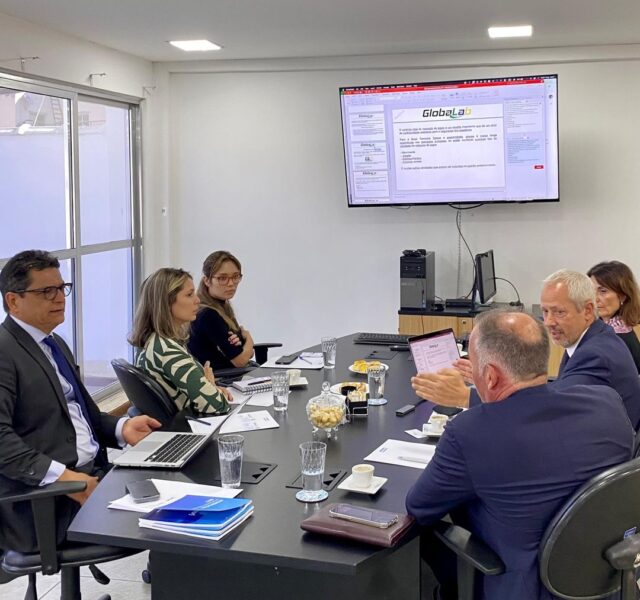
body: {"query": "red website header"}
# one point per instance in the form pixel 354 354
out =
pixel 383 89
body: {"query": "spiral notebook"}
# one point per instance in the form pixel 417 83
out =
pixel 254 385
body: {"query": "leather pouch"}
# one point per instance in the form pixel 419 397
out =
pixel 323 523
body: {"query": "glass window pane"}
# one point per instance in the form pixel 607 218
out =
pixel 105 174
pixel 34 172
pixel 106 314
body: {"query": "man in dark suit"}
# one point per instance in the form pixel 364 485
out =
pixel 506 467
pixel 594 354
pixel 50 428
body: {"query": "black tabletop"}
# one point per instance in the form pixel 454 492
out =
pixel 273 535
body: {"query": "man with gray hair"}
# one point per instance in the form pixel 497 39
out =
pixel 594 354
pixel 507 466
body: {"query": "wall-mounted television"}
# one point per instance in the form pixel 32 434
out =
pixel 452 142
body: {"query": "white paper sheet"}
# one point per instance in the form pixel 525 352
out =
pixel 405 454
pixel 252 421
pixel 261 399
pixel 170 491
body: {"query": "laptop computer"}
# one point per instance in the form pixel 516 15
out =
pixel 163 449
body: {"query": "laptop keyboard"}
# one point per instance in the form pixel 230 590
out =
pixel 177 447
pixel 381 338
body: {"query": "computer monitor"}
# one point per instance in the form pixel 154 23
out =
pixel 485 277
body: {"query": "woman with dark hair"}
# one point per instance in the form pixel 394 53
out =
pixel 168 303
pixel 216 336
pixel 618 301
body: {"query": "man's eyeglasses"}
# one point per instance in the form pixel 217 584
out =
pixel 225 279
pixel 51 291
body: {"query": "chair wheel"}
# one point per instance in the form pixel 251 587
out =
pixel 105 597
pixel 146 576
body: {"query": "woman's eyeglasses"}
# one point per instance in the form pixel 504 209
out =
pixel 50 292
pixel 225 279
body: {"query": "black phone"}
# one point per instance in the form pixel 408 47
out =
pixel 286 360
pixel 143 491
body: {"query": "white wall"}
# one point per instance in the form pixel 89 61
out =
pixel 256 166
pixel 70 59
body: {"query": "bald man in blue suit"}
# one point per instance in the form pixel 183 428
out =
pixel 506 466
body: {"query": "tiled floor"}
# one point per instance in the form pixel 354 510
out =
pixel 126 582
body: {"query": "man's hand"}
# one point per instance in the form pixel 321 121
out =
pixel 446 387
pixel 92 482
pixel 137 428
pixel 464 367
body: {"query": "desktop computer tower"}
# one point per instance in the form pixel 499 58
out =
pixel 417 279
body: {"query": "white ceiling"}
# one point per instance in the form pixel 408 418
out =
pixel 301 28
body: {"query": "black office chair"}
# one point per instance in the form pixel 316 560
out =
pixel 584 552
pixel 146 395
pixel 67 558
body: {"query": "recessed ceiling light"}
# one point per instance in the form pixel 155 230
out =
pixel 507 32
pixel 195 45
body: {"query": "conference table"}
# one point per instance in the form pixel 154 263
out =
pixel 269 556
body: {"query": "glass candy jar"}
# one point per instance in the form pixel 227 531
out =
pixel 326 411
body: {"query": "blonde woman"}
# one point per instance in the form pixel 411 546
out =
pixel 216 336
pixel 168 303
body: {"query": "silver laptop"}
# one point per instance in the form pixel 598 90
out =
pixel 163 449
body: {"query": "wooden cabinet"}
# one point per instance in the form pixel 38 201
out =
pixel 418 324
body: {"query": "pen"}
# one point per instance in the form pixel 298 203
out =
pixel 304 359
pixel 188 418
pixel 415 459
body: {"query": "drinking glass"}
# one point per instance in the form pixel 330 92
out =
pixel 230 454
pixel 329 345
pixel 312 455
pixel 280 387
pixel 375 379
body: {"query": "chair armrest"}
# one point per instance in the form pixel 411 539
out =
pixel 262 349
pixel 57 488
pixel 44 517
pixel 267 345
pixel 231 374
pixel 469 548
pixel 622 556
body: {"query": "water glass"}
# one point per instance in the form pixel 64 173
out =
pixel 375 379
pixel 312 455
pixel 280 387
pixel 230 449
pixel 329 345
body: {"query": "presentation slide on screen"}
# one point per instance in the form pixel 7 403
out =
pixel 433 152
pixel 496 141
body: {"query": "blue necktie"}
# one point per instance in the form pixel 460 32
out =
pixel 563 363
pixel 68 372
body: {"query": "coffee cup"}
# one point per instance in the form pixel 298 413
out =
pixel 294 375
pixel 362 475
pixel 435 425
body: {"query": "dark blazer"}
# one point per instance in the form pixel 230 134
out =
pixel 509 466
pixel 35 428
pixel 602 358
pixel 631 341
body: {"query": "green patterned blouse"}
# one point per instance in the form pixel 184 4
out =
pixel 181 376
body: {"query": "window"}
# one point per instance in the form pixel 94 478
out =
pixel 69 175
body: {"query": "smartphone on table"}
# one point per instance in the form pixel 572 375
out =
pixel 365 516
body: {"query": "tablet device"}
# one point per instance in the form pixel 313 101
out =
pixel 434 351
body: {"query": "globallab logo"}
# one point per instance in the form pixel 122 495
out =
pixel 452 113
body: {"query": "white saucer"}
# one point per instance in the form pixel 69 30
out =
pixel 336 388
pixel 383 366
pixel 376 484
